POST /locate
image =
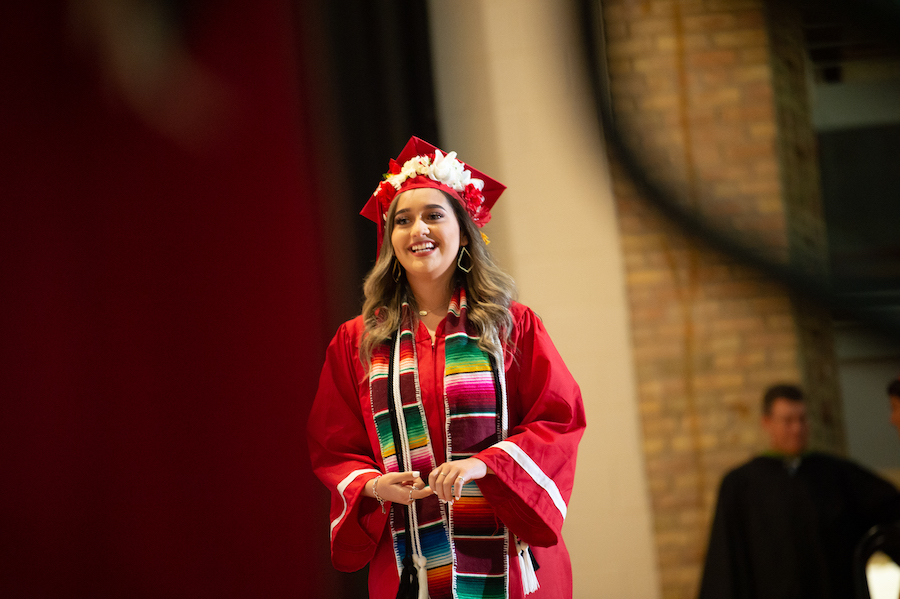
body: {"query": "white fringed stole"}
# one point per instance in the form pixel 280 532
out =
pixel 526 567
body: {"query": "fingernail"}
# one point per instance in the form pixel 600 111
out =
pixel 415 473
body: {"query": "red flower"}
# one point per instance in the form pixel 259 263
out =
pixel 474 201
pixel 385 194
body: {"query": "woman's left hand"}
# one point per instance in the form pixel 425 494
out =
pixel 447 480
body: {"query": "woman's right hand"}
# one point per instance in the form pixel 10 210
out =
pixel 399 487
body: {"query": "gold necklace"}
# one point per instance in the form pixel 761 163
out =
pixel 425 312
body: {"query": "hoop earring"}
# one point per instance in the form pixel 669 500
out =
pixel 465 253
pixel 396 271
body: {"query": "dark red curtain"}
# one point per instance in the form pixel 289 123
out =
pixel 162 323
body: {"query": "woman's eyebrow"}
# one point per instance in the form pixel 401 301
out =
pixel 429 206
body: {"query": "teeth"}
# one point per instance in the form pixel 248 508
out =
pixel 419 247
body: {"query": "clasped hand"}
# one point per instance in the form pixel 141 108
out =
pixel 445 481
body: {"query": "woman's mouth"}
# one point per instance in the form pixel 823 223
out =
pixel 422 247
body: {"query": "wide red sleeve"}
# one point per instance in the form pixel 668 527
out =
pixel 534 468
pixel 342 455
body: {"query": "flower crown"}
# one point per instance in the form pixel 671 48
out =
pixel 421 164
pixel 444 169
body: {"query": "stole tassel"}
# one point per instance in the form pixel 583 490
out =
pixel 526 568
pixel 421 561
pixel 409 582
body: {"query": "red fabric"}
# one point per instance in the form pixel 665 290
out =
pixel 160 323
pixel 546 421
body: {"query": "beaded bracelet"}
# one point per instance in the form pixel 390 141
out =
pixel 375 493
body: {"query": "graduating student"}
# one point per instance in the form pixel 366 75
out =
pixel 787 522
pixel 446 424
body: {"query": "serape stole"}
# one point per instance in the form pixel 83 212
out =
pixel 464 544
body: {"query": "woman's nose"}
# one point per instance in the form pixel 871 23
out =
pixel 421 228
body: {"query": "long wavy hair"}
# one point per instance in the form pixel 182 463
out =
pixel 489 291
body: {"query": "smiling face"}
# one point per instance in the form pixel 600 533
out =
pixel 426 236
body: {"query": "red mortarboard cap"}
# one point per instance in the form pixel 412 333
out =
pixel 421 164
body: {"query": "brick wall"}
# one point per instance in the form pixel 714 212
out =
pixel 711 95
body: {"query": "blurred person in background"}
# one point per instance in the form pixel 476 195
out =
pixel 446 424
pixel 787 522
pixel 893 391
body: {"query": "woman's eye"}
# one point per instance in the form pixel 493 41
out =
pixel 436 215
pixel 401 220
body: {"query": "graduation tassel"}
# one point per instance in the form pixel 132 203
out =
pixel 420 562
pixel 526 568
pixel 409 582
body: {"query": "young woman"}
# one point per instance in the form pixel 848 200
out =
pixel 446 424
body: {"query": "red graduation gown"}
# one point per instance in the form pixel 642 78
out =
pixel 533 469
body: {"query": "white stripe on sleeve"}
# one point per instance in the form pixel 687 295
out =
pixel 342 486
pixel 535 472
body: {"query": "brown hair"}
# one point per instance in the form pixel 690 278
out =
pixel 893 388
pixel 787 392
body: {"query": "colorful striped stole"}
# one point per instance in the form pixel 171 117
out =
pixel 464 544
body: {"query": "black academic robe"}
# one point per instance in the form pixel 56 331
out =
pixel 780 533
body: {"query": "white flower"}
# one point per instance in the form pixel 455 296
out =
pixel 450 171
pixel 409 168
pixel 440 168
pixel 396 180
pixel 444 169
pixel 424 165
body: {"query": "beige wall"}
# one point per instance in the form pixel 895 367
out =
pixel 511 101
